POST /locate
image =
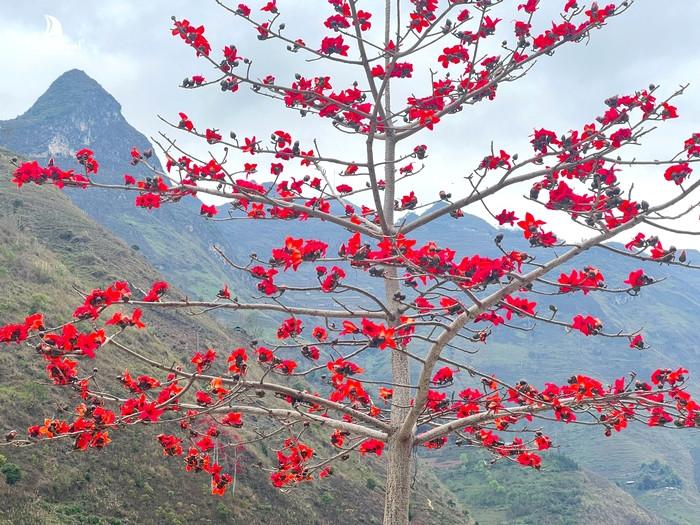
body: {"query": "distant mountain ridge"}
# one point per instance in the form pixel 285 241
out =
pixel 76 112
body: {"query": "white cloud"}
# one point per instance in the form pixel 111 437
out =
pixel 35 57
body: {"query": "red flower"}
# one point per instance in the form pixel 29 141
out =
pixel 386 393
pixel 334 45
pixel 319 333
pixel 678 172
pixel 506 217
pixel 336 22
pixel 85 157
pixel 209 211
pixel 371 446
pixel 542 442
pixel 237 361
pixel 380 336
pixel 194 36
pixel 185 122
pixel 265 355
pixel 310 352
pixel 518 305
pixel 212 136
pixel 344 368
pixel 444 376
pixel 17 333
pixel 529 7
pixel 545 40
pixel 363 20
pixel 121 320
pixel 637 342
pixel 148 200
pixel 492 162
pixel 232 419
pixel 692 145
pixel 668 111
pixel 637 279
pixel 658 251
pixel 270 7
pixel 621 135
pixel 158 289
pixel 528 459
pixel 203 361
pixel 488 26
pixel 454 55
pixel 203 398
pixel 250 146
pixel 637 242
pixel 206 443
pixel 61 371
pixel 172 445
pixel 220 482
pixel 587 325
pixel 542 139
pixel 224 293
pixel 289 328
pixel 530 225
pixel 286 366
pixel 195 461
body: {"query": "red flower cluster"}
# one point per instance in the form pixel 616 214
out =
pixel 194 36
pixel 587 325
pixel 292 461
pixel 588 279
pixel 203 360
pixel 371 446
pixel 17 333
pixel 32 172
pixel 97 300
pixel 158 289
pixel 290 327
pixel 88 428
pixel 124 321
pixel 86 159
pixel 296 251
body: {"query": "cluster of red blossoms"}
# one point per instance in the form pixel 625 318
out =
pixel 152 190
pixel 292 463
pixel 32 172
pixel 317 95
pixel 89 429
pixel 605 202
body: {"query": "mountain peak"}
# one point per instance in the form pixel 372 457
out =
pixel 74 112
pixel 73 91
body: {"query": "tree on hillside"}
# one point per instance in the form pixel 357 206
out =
pixel 385 78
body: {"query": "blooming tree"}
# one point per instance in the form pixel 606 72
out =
pixel 436 301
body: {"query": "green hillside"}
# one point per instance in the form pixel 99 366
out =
pixel 562 493
pixel 48 246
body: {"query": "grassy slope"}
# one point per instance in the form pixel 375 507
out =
pixel 560 494
pixel 47 246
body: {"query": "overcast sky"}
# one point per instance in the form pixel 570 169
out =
pixel 127 47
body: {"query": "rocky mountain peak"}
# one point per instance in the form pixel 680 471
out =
pixel 73 91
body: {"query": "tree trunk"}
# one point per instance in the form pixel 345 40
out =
pixel 398 484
